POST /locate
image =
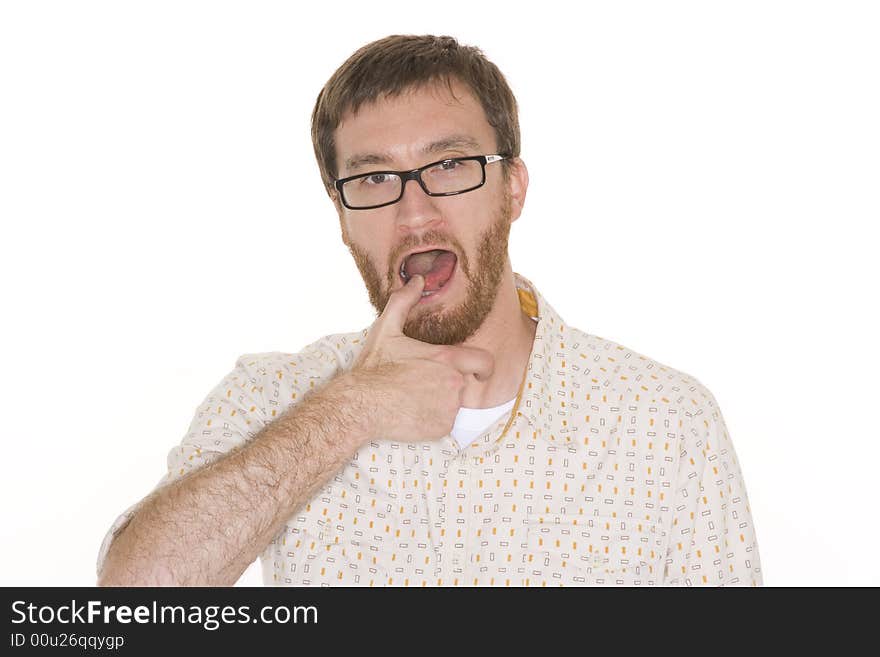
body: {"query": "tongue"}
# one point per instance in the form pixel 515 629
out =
pixel 436 266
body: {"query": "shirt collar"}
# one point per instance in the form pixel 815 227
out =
pixel 545 372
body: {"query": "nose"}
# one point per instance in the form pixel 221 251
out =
pixel 416 209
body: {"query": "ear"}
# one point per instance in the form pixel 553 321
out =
pixel 517 185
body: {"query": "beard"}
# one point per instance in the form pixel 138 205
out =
pixel 436 323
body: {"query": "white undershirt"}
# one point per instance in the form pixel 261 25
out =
pixel 471 422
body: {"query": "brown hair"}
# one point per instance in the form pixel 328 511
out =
pixel 397 63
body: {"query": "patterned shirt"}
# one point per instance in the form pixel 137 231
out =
pixel 610 469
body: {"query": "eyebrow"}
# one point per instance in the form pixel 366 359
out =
pixel 455 141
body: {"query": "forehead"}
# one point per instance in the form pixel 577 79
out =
pixel 402 130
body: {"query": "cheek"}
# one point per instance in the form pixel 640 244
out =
pixel 366 247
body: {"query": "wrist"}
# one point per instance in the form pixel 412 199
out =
pixel 351 393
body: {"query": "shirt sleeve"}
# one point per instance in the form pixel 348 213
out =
pixel 259 388
pixel 712 540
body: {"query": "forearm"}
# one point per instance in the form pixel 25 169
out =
pixel 206 528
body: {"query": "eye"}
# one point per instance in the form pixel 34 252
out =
pixel 376 179
pixel 445 167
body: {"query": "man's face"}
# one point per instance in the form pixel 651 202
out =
pixel 474 225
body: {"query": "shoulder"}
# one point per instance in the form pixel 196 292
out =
pixel 632 376
pixel 325 356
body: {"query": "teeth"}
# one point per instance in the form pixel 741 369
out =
pixel 427 294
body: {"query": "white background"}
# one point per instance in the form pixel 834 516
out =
pixel 704 190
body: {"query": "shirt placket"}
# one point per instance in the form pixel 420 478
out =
pixel 459 557
pixel 444 508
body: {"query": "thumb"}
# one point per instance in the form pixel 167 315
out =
pixel 401 302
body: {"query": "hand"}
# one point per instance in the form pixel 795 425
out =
pixel 416 387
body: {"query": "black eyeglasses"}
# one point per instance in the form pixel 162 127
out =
pixel 448 177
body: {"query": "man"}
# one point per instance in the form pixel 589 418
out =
pixel 469 436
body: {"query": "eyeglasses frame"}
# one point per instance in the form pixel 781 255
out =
pixel 416 174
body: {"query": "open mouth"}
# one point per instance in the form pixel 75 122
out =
pixel 436 265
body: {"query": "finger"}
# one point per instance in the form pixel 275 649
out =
pixel 472 360
pixel 400 303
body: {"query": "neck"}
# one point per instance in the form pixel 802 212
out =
pixel 508 334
